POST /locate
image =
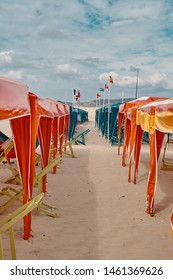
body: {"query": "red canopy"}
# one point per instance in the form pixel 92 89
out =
pixel 26 112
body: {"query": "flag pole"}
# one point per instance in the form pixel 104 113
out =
pixel 96 123
pixel 122 97
pixel 109 91
pixel 73 99
pixel 108 111
pixel 99 114
pixel 74 96
pixel 104 98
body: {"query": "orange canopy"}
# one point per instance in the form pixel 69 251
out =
pixel 60 125
pixel 146 119
pixel 129 116
pixel 26 113
pixel 137 119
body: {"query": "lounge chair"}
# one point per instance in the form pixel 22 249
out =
pixel 79 139
pixel 7 223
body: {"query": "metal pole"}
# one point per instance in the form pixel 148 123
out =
pixel 108 112
pixel 136 95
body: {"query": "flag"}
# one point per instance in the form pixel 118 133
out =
pixel 98 95
pixel 106 87
pixel 111 80
pixel 74 92
pixel 101 89
pixel 78 93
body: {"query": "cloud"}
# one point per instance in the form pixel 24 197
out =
pixel 105 76
pixel 6 56
pixel 66 71
pixel 83 43
pixel 133 69
pixel 18 75
pixel 89 61
pixel 161 80
pixel 52 33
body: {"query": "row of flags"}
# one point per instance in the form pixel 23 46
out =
pixel 106 87
pixel 76 92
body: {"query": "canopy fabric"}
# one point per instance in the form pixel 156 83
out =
pixel 144 118
pixel 60 126
pixel 164 116
pixel 29 116
pixel 16 105
pixel 128 111
pixel 13 99
pixel 55 129
pixel 124 112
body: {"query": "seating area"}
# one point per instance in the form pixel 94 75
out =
pixel 36 123
pixel 7 223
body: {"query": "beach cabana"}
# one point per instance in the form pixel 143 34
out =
pixel 125 114
pixel 101 122
pixel 16 105
pixel 146 121
pixel 163 123
pixel 28 116
pixel 60 126
pixel 73 122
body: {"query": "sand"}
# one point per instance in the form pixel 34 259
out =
pixel 102 216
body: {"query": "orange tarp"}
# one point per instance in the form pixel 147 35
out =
pixel 125 112
pixel 29 116
pixel 152 118
pixel 145 118
pixel 16 105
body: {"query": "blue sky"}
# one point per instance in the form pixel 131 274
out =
pixel 57 45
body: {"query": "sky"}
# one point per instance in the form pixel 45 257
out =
pixel 57 46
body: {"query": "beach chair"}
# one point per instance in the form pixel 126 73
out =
pixel 15 194
pixel 7 223
pixel 79 139
pixel 167 162
pixel 5 148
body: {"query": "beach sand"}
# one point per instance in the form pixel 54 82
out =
pixel 102 216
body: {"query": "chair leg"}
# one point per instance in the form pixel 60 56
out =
pixel 12 244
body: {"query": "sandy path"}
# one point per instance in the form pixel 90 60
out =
pixel 102 216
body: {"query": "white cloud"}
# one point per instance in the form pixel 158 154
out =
pixel 105 76
pixel 6 56
pixel 54 41
pixel 161 79
pixel 18 74
pixel 65 68
pixel 127 81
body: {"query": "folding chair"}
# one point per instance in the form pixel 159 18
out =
pixel 79 139
pixel 7 223
pixel 16 194
pixel 5 148
pixel 167 163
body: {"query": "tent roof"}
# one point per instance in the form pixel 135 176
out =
pixel 164 116
pixel 139 102
pixel 13 99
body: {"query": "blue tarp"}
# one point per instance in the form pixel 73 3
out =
pixel 77 115
pixel 101 122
